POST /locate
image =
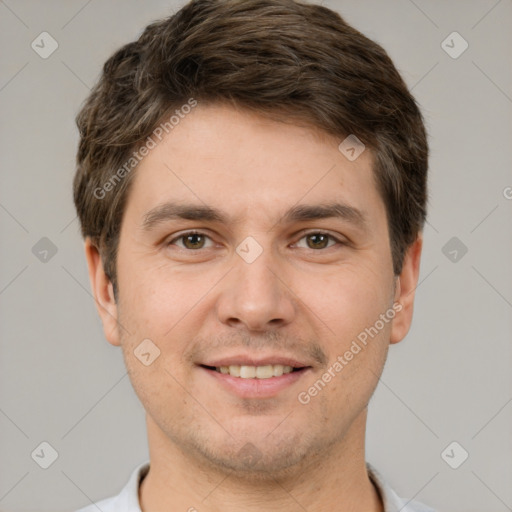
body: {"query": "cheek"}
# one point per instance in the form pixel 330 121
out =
pixel 153 344
pixel 348 300
pixel 349 305
pixel 167 307
pixel 156 297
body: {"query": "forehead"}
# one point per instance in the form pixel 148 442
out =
pixel 249 166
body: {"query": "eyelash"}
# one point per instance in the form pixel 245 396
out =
pixel 304 235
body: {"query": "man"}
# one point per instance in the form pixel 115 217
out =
pixel 251 186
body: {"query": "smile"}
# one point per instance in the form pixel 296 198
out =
pixel 255 372
pixel 247 381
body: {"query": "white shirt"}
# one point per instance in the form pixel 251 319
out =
pixel 128 499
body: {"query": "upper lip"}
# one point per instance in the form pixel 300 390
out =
pixel 251 360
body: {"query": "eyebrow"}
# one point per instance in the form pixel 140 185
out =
pixel 172 211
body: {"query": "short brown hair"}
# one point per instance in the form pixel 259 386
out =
pixel 281 58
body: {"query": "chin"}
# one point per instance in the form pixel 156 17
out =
pixel 259 456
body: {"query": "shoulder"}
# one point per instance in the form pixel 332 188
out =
pixel 127 500
pixel 106 505
pixel 392 502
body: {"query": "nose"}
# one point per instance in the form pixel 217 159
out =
pixel 256 295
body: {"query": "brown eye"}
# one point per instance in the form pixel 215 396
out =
pixel 193 241
pixel 317 240
pixel 190 240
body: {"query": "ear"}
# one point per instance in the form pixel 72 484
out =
pixel 103 293
pixel 405 289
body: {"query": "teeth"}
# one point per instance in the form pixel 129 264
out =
pixel 279 370
pixel 258 372
pixel 247 372
pixel 264 372
pixel 233 370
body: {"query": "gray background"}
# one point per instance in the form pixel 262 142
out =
pixel 450 380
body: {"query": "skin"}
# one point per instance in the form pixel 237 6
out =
pixel 298 297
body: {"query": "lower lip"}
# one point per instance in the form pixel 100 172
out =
pixel 256 388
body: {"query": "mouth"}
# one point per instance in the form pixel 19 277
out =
pixel 259 380
pixel 267 371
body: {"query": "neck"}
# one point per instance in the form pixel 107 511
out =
pixel 335 480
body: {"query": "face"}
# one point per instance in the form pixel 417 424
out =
pixel 247 247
